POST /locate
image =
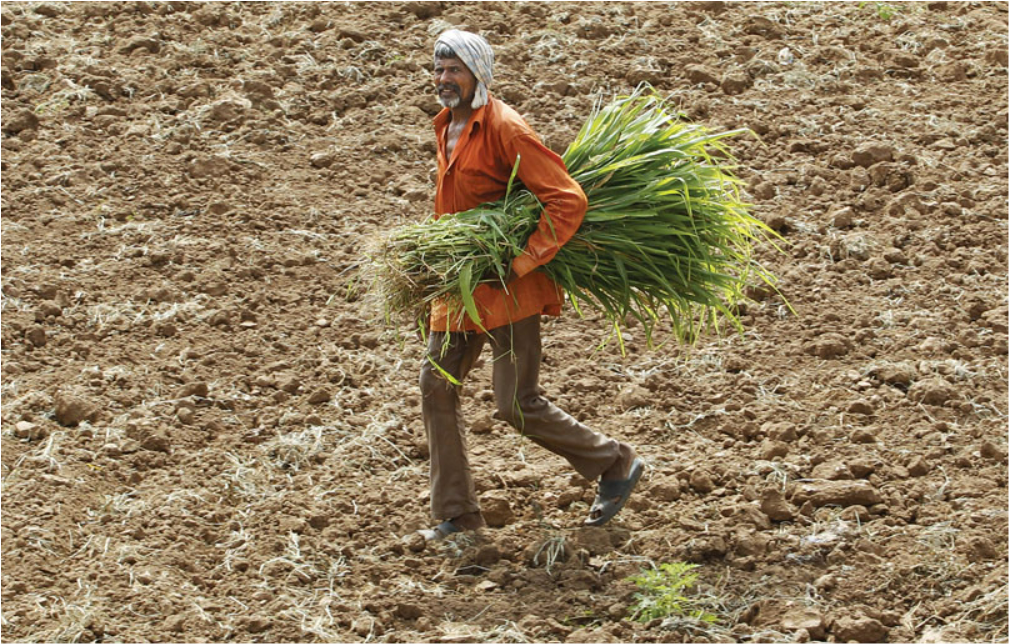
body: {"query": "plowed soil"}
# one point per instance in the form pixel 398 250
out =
pixel 209 433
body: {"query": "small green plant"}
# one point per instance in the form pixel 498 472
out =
pixel 663 595
pixel 884 10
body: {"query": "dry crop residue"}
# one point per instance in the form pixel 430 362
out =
pixel 207 436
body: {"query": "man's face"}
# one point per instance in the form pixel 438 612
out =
pixel 454 82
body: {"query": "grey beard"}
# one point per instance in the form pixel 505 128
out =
pixel 450 103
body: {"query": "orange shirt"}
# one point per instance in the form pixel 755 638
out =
pixel 477 173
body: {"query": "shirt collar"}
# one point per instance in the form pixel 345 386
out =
pixel 479 114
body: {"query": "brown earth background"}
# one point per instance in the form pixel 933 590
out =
pixel 208 434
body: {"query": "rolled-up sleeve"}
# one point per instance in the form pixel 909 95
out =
pixel 543 172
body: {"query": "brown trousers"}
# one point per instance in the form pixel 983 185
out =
pixel 517 352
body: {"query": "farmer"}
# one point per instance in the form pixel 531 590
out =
pixel 479 140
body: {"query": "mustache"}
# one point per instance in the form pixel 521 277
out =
pixel 451 86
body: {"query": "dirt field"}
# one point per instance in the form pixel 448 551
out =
pixel 208 436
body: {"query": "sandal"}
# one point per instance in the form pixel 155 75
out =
pixel 440 531
pixel 605 505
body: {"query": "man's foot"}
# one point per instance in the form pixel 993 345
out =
pixel 621 468
pixel 463 522
pixel 615 486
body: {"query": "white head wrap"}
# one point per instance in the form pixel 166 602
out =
pixel 478 56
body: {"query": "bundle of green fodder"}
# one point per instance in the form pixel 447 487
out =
pixel 665 235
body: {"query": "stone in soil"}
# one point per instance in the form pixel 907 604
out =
pixel 156 441
pixel 496 508
pixel 72 410
pixel 832 471
pixel 30 431
pixel 319 396
pixel 36 335
pixel 701 482
pixel 932 391
pixel 803 618
pixel 829 345
pixel 20 121
pixel 770 449
pixel 843 493
pixel 408 611
pixel 858 628
pixel 774 505
pixel 872 153
pixel 199 389
pixel 633 397
pixel 992 451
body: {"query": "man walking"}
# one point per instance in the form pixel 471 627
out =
pixel 479 140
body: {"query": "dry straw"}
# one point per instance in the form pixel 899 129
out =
pixel 665 235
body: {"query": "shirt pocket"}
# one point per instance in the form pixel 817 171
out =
pixel 480 186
